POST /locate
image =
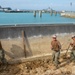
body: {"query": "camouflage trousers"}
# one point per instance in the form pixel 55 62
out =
pixel 55 57
pixel 73 55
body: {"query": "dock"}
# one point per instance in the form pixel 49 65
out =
pixel 68 14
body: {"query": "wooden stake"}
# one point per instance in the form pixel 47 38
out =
pixel 23 39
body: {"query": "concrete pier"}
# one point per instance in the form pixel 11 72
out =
pixel 68 14
pixel 40 13
pixel 34 13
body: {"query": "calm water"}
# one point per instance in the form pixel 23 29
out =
pixel 28 18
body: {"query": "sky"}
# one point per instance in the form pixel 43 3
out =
pixel 39 4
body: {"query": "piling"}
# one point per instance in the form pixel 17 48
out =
pixel 51 13
pixel 23 39
pixel 55 13
pixel 34 13
pixel 40 13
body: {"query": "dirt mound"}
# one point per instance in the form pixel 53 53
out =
pixel 38 67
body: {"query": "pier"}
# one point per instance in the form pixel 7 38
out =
pixel 42 11
pixel 9 10
pixel 33 11
pixel 68 14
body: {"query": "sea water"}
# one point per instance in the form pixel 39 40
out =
pixel 28 18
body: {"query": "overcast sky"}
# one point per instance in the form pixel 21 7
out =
pixel 39 4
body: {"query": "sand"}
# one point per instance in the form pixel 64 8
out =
pixel 36 46
pixel 39 67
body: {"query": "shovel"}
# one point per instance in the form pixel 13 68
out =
pixel 65 55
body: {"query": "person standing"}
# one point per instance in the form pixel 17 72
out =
pixel 2 55
pixel 55 46
pixel 73 48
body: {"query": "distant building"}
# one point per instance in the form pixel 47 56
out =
pixel 6 9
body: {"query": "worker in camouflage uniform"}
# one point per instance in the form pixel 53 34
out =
pixel 55 46
pixel 1 54
pixel 73 48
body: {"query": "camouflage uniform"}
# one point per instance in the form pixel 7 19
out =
pixel 56 46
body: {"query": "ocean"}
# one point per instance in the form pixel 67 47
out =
pixel 28 18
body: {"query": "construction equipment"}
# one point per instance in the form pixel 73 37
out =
pixel 65 55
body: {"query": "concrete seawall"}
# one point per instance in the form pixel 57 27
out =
pixel 37 38
pixel 16 31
